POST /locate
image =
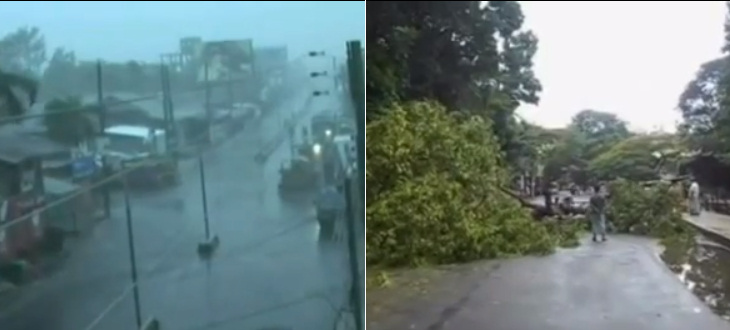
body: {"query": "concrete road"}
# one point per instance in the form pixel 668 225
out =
pixel 270 270
pixel 620 284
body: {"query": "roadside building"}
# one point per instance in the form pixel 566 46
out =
pixel 22 191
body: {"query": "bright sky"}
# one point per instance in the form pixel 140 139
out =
pixel 142 30
pixel 629 58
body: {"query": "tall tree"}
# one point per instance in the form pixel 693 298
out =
pixel 705 103
pixel 601 130
pixel 470 56
pixel 23 52
pixel 68 120
pixel 61 77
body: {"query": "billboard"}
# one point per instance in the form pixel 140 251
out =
pixel 230 59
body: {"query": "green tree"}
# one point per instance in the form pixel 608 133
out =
pixel 61 77
pixel 705 105
pixel 434 191
pixel 601 130
pixel 69 121
pixel 470 56
pixel 634 158
pixel 23 52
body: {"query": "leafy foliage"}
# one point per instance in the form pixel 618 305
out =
pixel 469 56
pixel 600 131
pixel 633 158
pixel 655 211
pixel 23 52
pixel 705 104
pixel 69 120
pixel 433 193
pixel 589 137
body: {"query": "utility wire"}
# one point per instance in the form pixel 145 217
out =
pixel 85 108
pixel 109 179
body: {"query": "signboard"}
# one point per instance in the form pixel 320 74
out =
pixel 85 166
pixel 224 60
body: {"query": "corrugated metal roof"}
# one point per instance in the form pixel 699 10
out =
pixel 16 147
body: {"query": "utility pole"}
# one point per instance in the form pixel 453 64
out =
pixel 208 114
pixel 132 256
pixel 357 89
pixel 171 136
pixel 101 138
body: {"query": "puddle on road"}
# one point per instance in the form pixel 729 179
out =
pixel 704 267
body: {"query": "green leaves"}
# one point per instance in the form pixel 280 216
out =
pixel 433 193
pixel 470 56
pixel 633 158
pixel 69 120
pixel 655 211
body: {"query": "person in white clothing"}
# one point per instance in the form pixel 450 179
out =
pixel 694 198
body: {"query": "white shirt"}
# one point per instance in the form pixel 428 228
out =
pixel 694 189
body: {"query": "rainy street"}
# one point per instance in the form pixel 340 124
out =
pixel 269 271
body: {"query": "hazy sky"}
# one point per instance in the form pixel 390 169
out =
pixel 142 30
pixel 629 58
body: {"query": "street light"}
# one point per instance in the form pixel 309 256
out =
pixel 318 74
pixel 316 53
pixel 320 93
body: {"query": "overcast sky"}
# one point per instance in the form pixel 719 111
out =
pixel 142 30
pixel 629 58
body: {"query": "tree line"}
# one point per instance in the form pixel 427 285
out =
pixel 445 146
pixel 64 82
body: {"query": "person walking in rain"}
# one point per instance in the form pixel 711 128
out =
pixel 597 214
pixel 694 198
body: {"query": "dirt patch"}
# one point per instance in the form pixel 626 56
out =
pixel 422 298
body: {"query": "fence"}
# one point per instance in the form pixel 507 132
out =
pixel 136 222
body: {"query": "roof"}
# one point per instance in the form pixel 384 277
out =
pixel 138 131
pixel 17 147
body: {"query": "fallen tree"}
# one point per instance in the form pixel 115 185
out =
pixel 434 192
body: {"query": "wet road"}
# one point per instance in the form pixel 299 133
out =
pixel 620 284
pixel 270 269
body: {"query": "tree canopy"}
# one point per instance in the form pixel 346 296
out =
pixel 470 56
pixel 70 121
pixel 431 175
pixel 443 82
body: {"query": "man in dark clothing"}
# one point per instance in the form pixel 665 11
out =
pixel 597 214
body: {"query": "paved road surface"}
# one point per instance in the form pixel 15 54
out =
pixel 620 284
pixel 270 269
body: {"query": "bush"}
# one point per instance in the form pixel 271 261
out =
pixel 433 192
pixel 654 211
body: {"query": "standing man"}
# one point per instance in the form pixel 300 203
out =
pixel 597 214
pixel 694 199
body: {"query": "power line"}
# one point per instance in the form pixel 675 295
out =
pixel 98 184
pixel 169 248
pixel 110 179
pixel 116 301
pixel 85 108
